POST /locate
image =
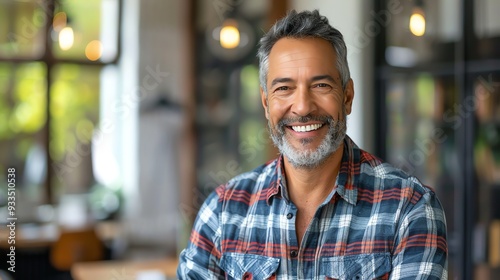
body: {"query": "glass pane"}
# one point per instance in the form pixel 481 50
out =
pixel 416 129
pixel 23 102
pixel 22 30
pixel 254 143
pixel 486 29
pixel 423 119
pixel 86 30
pixel 217 163
pixel 419 31
pixel 74 111
pixel 486 20
pixel 250 95
pixel 253 134
pixel 487 168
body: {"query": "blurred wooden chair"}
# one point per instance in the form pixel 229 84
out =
pixel 76 246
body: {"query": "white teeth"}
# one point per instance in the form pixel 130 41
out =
pixel 306 128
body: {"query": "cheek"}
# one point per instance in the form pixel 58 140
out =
pixel 332 99
pixel 331 105
pixel 275 110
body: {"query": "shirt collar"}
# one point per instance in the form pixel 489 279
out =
pixel 345 184
pixel 347 179
pixel 277 182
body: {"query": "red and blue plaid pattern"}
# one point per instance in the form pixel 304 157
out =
pixel 377 223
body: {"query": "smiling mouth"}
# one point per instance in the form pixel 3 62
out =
pixel 307 128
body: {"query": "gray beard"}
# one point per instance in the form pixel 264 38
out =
pixel 307 158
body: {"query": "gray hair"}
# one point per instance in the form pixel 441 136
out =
pixel 306 24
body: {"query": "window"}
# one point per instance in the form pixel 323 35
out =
pixel 438 73
pixel 53 54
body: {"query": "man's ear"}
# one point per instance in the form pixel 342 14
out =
pixel 263 98
pixel 349 96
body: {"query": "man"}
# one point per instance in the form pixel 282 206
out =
pixel 324 208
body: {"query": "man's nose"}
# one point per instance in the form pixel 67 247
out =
pixel 303 102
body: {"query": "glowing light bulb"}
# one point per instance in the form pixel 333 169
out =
pixel 417 22
pixel 60 21
pixel 66 38
pixel 93 51
pixel 229 35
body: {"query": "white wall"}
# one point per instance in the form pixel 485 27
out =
pixel 127 118
pixel 153 64
pixel 352 18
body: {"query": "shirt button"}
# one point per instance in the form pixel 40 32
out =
pixel 289 216
pixel 293 254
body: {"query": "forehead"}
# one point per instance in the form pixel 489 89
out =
pixel 312 55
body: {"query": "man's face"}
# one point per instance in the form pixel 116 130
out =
pixel 306 106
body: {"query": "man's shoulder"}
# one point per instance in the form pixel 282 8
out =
pixel 263 171
pixel 251 182
pixel 378 174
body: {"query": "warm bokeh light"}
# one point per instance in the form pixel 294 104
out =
pixel 60 21
pixel 66 38
pixel 93 51
pixel 417 23
pixel 229 35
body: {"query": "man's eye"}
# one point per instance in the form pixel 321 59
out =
pixel 281 88
pixel 321 85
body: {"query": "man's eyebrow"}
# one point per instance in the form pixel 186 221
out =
pixel 323 77
pixel 313 79
pixel 280 80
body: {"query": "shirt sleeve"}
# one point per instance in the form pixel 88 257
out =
pixel 200 260
pixel 420 248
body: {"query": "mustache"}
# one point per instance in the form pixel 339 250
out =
pixel 303 119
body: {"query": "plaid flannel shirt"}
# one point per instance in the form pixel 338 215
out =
pixel 377 223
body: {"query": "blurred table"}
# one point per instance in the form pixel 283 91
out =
pixel 44 235
pixel 126 270
pixel 30 235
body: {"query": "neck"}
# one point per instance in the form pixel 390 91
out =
pixel 306 186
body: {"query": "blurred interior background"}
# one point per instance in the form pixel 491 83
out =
pixel 121 116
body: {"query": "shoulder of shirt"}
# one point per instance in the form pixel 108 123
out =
pixel 372 167
pixel 247 181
